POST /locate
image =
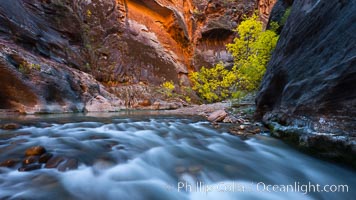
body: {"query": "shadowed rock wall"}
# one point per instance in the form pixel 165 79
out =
pixel 311 78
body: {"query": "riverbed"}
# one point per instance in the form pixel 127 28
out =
pixel 146 156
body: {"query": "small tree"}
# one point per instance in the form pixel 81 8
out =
pixel 213 84
pixel 251 51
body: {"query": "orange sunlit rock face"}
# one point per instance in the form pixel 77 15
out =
pixel 190 33
pixel 265 8
pixel 164 24
pixel 118 42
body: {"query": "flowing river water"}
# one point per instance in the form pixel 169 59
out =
pixel 164 157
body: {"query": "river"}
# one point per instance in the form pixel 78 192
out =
pixel 163 157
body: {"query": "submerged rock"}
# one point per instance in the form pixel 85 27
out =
pixel 29 160
pixel 45 157
pixel 9 163
pixel 62 163
pixel 69 164
pixel 37 157
pixel 35 151
pixel 30 167
pixel 55 161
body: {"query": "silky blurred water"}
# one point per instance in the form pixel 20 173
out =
pixel 161 157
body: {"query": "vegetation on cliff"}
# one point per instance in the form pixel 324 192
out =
pixel 251 50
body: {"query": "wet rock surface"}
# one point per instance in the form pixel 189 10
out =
pixel 37 158
pixel 68 164
pixel 35 151
pixel 308 90
pixel 29 167
pixel 9 163
pixel 45 157
pixel 29 160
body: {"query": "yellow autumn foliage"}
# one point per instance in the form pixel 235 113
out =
pixel 213 84
pixel 251 51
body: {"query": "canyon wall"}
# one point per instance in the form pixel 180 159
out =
pixel 121 46
pixel 265 8
pixel 309 87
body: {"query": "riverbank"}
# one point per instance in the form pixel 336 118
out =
pixel 338 147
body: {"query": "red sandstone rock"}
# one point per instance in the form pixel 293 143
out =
pixel 44 53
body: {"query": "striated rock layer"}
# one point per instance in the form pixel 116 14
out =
pixel 48 48
pixel 309 87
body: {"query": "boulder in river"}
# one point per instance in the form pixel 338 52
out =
pixel 217 116
pixel 35 151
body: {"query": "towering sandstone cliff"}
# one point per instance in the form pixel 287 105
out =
pixel 48 48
